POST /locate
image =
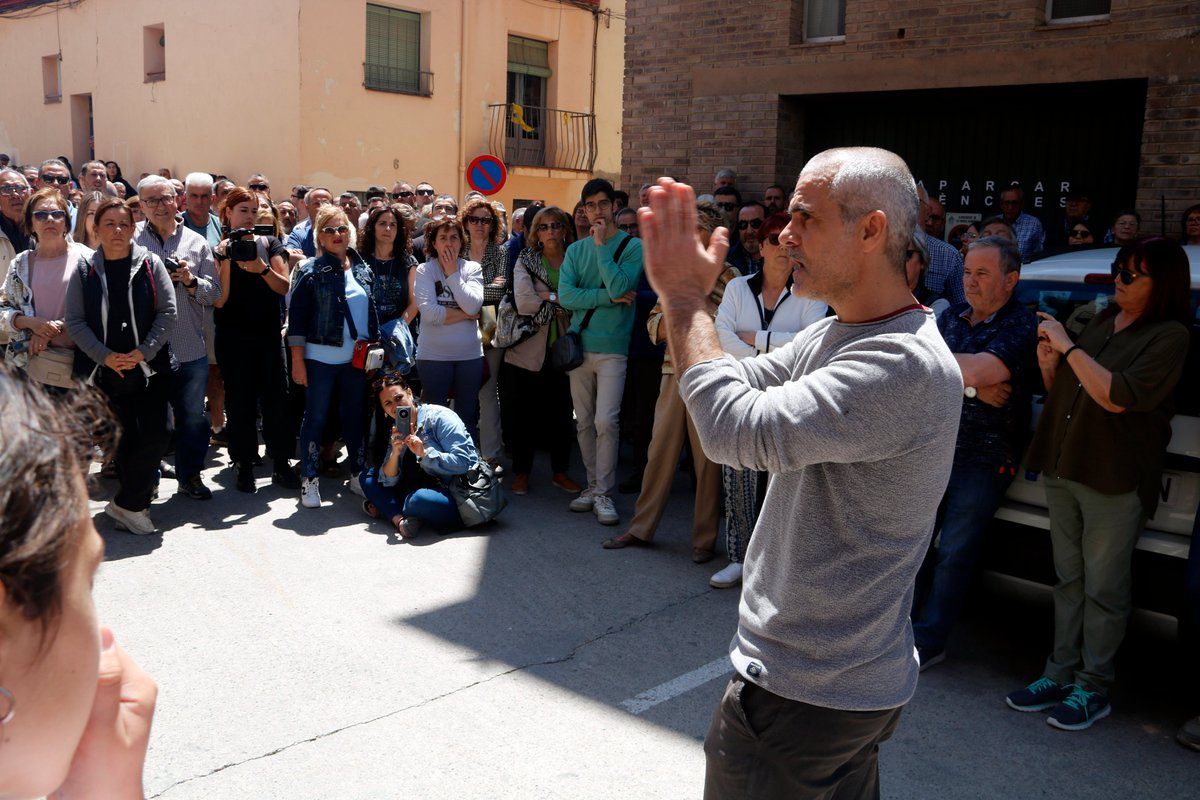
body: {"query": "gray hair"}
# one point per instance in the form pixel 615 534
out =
pixel 150 181
pixel 9 172
pixel 53 162
pixel 1010 253
pixel 727 173
pixel 870 179
pixel 201 180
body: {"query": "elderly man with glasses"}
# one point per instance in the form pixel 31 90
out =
pixel 14 191
pixel 189 262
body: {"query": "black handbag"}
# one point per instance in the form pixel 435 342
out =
pixel 478 494
pixel 567 352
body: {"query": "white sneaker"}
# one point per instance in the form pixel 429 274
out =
pixel 310 492
pixel 136 522
pixel 605 511
pixel 583 501
pixel 355 486
pixel 729 577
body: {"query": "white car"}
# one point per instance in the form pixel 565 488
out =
pixel 1074 286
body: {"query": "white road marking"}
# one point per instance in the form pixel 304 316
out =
pixel 677 686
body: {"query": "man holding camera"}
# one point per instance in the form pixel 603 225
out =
pixel 189 261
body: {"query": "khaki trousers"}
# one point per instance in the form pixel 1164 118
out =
pixel 671 422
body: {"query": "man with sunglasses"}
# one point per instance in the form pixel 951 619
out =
pixel 301 238
pixel 259 183
pixel 402 192
pixel 746 255
pixel 14 191
pixel 53 174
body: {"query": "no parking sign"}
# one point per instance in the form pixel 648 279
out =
pixel 486 174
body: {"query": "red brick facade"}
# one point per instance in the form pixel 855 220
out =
pixel 704 79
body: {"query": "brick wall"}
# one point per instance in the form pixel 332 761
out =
pixel 703 78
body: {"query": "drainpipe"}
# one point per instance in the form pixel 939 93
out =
pixel 595 38
pixel 462 99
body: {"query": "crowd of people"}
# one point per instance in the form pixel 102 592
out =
pixel 432 336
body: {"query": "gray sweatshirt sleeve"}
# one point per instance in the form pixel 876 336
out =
pixel 856 407
pixel 84 337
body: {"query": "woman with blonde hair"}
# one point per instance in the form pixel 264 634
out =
pixel 85 220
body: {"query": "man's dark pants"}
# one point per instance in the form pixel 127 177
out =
pixel 761 746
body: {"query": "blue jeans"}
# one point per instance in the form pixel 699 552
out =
pixel 971 499
pixel 431 505
pixel 352 387
pixel 189 385
pixel 464 377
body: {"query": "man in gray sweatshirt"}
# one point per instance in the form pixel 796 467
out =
pixel 824 647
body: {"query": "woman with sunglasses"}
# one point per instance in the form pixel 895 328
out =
pixel 758 314
pixel 248 321
pixel 481 223
pixel 1080 235
pixel 34 294
pixel 1100 446
pixel 541 408
pixel 332 308
pixel 120 312
pixel 449 293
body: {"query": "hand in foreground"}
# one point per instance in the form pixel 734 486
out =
pixel 109 759
pixel 677 265
pixel 119 362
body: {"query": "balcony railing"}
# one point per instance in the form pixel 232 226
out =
pixel 535 136
pixel 401 81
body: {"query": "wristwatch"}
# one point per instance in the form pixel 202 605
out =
pixel 220 256
pixel 265 271
pixel 970 391
pixel 191 285
pixel 553 297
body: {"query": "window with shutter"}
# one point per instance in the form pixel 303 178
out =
pixel 393 57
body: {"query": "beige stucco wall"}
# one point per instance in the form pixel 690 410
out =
pixel 280 90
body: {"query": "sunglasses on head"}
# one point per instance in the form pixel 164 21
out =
pixel 330 230
pixel 260 187
pixel 1126 276
pixel 62 180
pixel 58 215
pixel 398 195
pixel 749 223
pixel 387 378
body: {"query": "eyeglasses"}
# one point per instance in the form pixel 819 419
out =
pixel 425 192
pixel 398 195
pixel 550 226
pixel 1081 234
pixel 61 180
pixel 13 191
pixel 727 206
pixel 629 227
pixel 480 220
pixel 260 187
pixel 154 202
pixel 58 215
pixel 603 205
pixel 749 223
pixel 969 236
pixel 330 230
pixel 1126 276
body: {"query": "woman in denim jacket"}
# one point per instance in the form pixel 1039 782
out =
pixel 321 336
pixel 433 447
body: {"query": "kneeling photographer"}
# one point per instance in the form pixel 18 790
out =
pixel 252 265
pixel 422 481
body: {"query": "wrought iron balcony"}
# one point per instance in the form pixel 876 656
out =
pixel 401 81
pixel 536 136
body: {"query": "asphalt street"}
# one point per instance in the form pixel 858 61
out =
pixel 311 654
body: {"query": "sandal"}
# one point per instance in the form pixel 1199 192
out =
pixel 370 510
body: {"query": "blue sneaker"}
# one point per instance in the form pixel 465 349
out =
pixel 1079 710
pixel 1038 696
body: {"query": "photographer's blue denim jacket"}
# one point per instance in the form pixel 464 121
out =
pixel 317 310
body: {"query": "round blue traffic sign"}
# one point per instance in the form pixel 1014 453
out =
pixel 486 174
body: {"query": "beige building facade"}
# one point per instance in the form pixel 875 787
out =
pixel 337 93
